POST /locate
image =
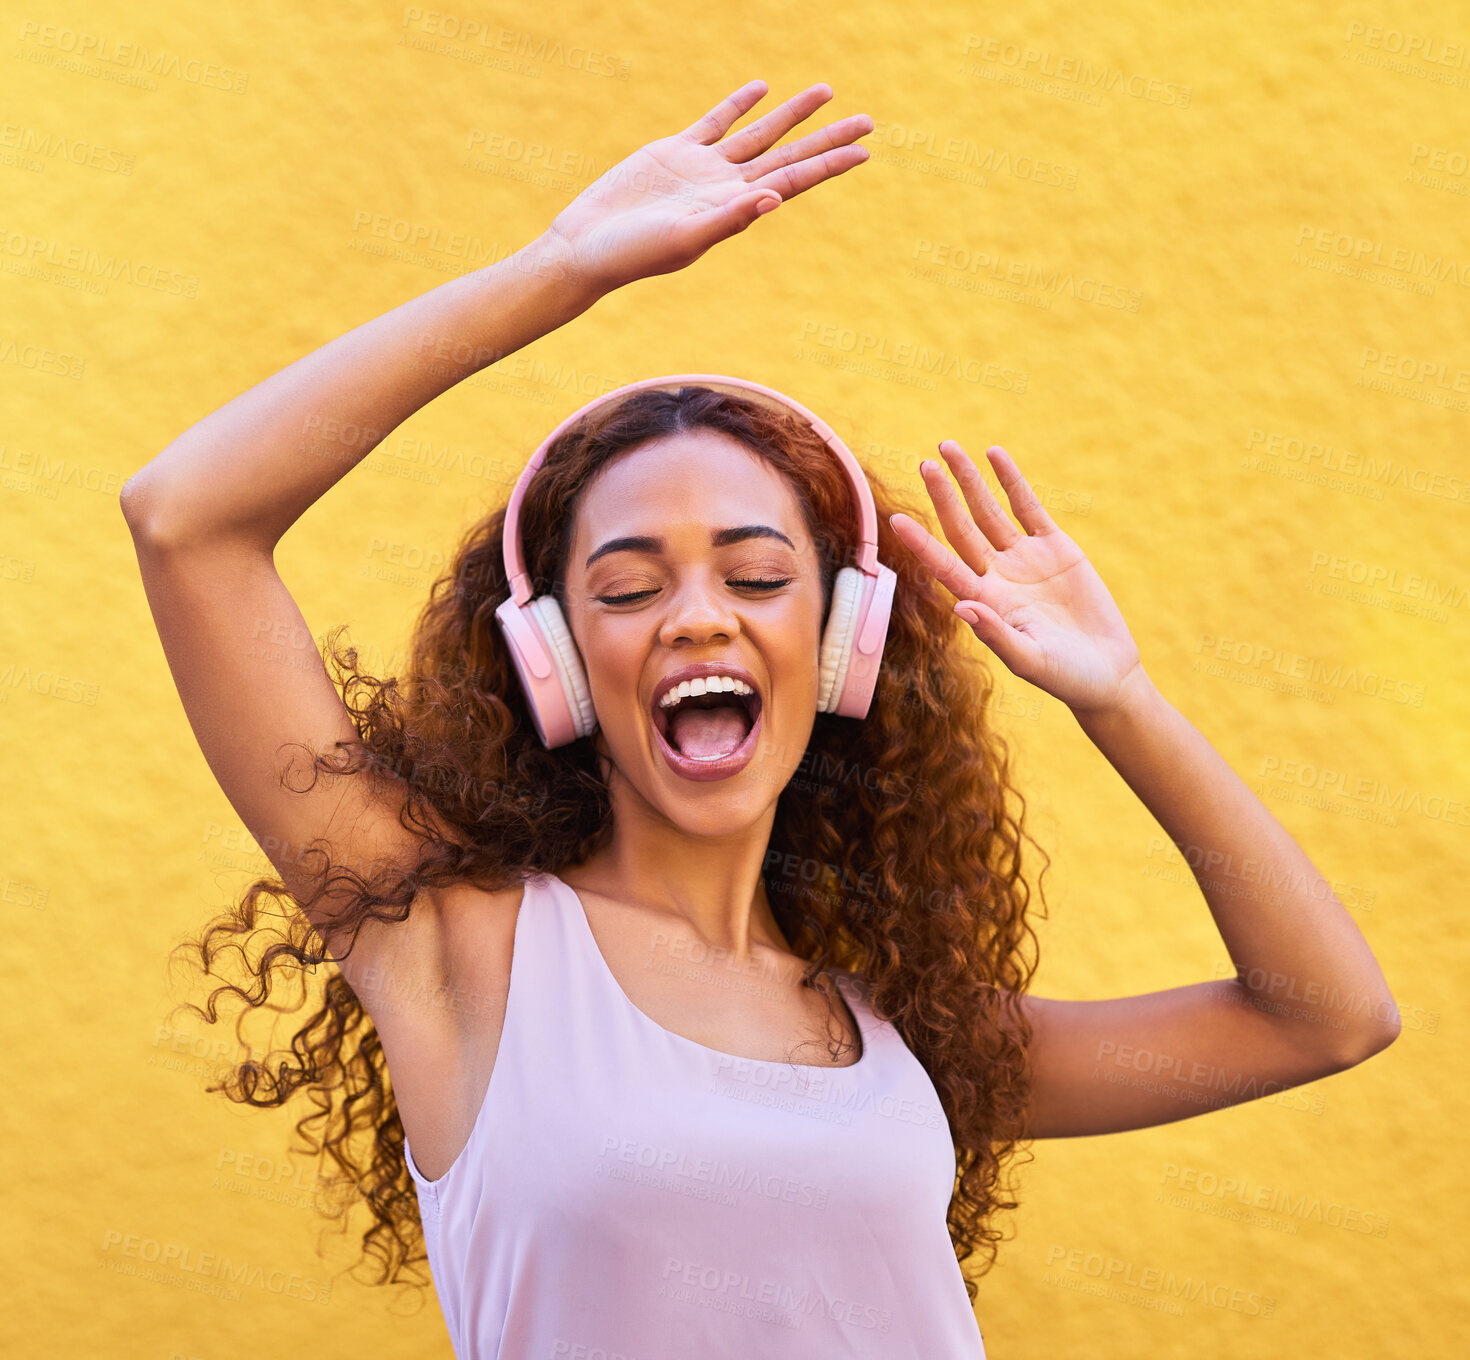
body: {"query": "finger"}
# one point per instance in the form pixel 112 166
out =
pixel 1024 501
pixel 765 132
pixel 718 121
pixel 795 179
pixel 993 522
pixel 841 133
pixel 942 563
pixel 698 233
pixel 961 531
pixel 1020 653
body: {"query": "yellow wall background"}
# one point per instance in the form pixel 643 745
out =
pixel 1228 252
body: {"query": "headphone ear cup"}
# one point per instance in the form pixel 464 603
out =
pixel 837 638
pixel 566 663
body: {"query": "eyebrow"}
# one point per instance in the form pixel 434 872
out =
pixel 719 538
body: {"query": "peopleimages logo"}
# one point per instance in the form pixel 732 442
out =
pixel 1420 46
pixel 718 1174
pixel 82 46
pixel 179 1264
pixel 1111 1270
pixel 715 1287
pixel 840 1091
pixel 1184 1181
pixel 40 252
pixel 1363 250
pixel 1316 457
pixel 1259 656
pixel 1035 61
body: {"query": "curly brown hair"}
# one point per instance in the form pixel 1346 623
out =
pixel 894 852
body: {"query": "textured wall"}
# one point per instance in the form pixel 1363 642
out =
pixel 1226 251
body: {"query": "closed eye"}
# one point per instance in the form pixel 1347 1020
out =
pixel 748 584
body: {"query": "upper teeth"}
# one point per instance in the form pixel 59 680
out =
pixel 706 684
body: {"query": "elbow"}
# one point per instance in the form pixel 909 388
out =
pixel 1375 1038
pixel 165 516
pixel 141 502
pixel 134 501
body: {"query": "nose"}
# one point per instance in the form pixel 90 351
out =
pixel 700 610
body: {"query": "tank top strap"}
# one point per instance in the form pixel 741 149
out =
pixel 537 980
pixel 566 966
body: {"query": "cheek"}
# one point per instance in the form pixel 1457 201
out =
pixel 612 659
pixel 797 663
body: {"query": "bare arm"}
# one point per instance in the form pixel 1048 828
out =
pixel 1308 1000
pixel 1130 1062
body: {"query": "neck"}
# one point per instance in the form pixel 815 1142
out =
pixel 713 882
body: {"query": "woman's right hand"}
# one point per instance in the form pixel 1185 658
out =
pixel 671 200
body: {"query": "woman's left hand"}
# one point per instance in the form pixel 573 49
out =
pixel 1030 594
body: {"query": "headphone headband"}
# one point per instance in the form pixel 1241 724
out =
pixel 867 552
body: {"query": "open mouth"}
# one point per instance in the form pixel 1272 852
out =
pixel 708 726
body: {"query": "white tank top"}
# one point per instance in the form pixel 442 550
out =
pixel 629 1194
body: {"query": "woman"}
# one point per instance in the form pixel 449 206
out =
pixel 638 932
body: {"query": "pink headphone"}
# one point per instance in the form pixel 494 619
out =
pixel 546 658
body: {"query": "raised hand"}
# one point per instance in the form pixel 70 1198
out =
pixel 671 200
pixel 1030 594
